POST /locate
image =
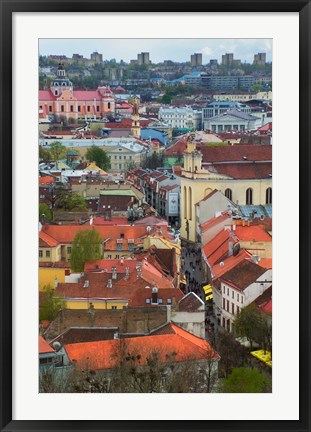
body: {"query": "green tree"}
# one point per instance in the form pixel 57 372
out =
pixel 45 210
pixel 50 304
pixel 246 380
pixel 166 99
pixel 99 156
pixel 86 246
pixel 57 150
pixel 71 202
pixel 249 324
pixel 44 154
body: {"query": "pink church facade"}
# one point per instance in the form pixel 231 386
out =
pixel 62 101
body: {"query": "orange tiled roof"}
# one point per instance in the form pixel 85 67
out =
pixel 252 233
pixel 218 248
pixel 243 275
pixel 44 347
pixel 45 240
pixel 229 263
pixel 214 221
pixel 46 180
pixel 105 354
pixel 265 263
pixel 66 234
pixel 141 294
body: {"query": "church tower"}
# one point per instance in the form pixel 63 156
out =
pixel 135 129
pixel 61 83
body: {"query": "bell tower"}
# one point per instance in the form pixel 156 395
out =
pixel 61 83
pixel 135 129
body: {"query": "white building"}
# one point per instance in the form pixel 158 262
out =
pixel 239 287
pixel 181 117
pixel 232 120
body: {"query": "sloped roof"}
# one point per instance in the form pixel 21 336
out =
pixel 252 233
pixel 245 170
pixel 229 263
pixel 44 347
pixel 243 274
pixel 218 248
pixel 141 294
pixel 237 152
pixel 45 240
pixel 182 345
pixel 190 303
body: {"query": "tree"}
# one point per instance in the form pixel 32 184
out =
pixel 71 202
pixel 86 246
pixel 232 353
pixel 44 154
pixel 46 211
pixel 249 324
pixel 57 150
pixel 50 305
pixel 99 156
pixel 246 380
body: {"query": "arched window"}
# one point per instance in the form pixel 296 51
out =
pixel 269 196
pixel 249 196
pixel 190 203
pixel 228 194
pixel 185 202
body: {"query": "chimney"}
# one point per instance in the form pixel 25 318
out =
pixel 127 273
pixel 109 283
pixel 114 273
pixel 86 284
pixel 154 295
pixel 122 261
pixel 139 273
pixel 255 259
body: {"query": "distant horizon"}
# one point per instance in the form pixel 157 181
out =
pixel 177 50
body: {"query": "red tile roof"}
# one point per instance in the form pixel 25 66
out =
pixel 253 152
pixel 265 263
pixel 214 221
pixel 114 221
pixel 252 233
pixel 245 170
pixel 218 248
pixel 229 263
pixel 58 264
pixel 46 95
pixel 141 294
pixel 46 180
pixel 45 240
pixel 107 264
pixel 177 149
pixel 190 303
pixel 44 347
pixel 243 274
pixel 104 354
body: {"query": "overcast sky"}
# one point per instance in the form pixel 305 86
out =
pixel 178 50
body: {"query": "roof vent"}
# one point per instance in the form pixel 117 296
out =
pixel 86 284
pixel 109 283
pixel 221 264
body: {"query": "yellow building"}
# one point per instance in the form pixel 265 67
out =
pixel 243 173
pixel 51 275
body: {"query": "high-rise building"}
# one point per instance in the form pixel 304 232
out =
pixel 259 59
pixel 96 57
pixel 196 59
pixel 227 59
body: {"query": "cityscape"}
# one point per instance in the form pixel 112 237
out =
pixel 155 217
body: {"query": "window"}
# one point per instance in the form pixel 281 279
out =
pixel 119 246
pixel 224 290
pixel 120 166
pixel 269 196
pixel 47 254
pixel 131 247
pixel 109 105
pixel 169 301
pixel 124 157
pixel 147 300
pixel 88 108
pixel 69 249
pixel 130 157
pixel 97 108
pixel 62 108
pixel 109 256
pixel 232 308
pixel 241 299
pixel 120 157
pixel 228 305
pixel 71 108
pixel 115 156
pixel 228 194
pixel 79 108
pixel 232 293
pixel 227 291
pixel 117 256
pixel 56 92
pixel 40 254
pixel 114 307
pixel 238 297
pixel 249 196
pixel 40 107
pixel 160 301
pixel 50 108
pixel 237 310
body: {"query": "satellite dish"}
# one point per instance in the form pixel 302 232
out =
pixel 236 249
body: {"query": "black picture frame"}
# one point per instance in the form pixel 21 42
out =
pixel 9 7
